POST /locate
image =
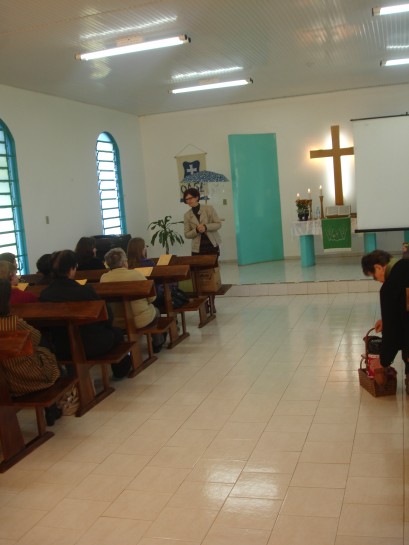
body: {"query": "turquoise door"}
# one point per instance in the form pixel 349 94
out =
pixel 256 198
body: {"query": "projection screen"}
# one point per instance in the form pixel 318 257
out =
pixel 382 172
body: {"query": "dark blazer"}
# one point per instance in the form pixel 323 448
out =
pixel 97 338
pixel 90 264
pixel 395 318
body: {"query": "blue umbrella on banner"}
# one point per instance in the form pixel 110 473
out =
pixel 205 176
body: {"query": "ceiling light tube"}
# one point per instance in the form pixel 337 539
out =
pixel 134 48
pixel 208 86
pixel 388 10
pixel 395 62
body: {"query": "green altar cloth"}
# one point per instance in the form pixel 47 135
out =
pixel 336 233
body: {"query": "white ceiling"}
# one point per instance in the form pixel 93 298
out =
pixel 288 47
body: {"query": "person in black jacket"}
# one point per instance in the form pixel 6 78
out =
pixel 394 322
pixel 98 338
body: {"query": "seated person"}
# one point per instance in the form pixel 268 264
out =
pixel 144 312
pixel 8 271
pixel 137 253
pixel 98 338
pixel 86 250
pixel 8 256
pixel 44 270
pixel 28 373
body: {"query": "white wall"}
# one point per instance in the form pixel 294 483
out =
pixel 301 124
pixel 55 145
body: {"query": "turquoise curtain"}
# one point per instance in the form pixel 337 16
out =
pixel 256 197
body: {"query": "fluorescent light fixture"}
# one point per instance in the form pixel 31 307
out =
pixel 207 86
pixel 388 10
pixel 397 46
pixel 205 73
pixel 134 48
pixel 395 62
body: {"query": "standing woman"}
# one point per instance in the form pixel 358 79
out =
pixel 201 224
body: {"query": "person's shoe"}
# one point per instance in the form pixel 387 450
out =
pixel 157 349
pixel 52 414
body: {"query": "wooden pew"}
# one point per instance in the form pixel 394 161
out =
pixel 72 315
pixel 126 292
pixel 13 446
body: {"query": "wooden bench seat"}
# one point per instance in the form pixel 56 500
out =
pixel 200 304
pixel 13 445
pixel 161 325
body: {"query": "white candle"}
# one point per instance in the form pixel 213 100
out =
pixel 320 190
pixel 309 192
pixel 298 195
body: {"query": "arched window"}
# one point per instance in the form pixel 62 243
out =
pixel 12 237
pixel 110 186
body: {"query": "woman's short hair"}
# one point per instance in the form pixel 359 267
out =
pixel 62 262
pixel 192 191
pixel 44 264
pixel 5 292
pixel 377 257
pixel 115 258
pixel 8 256
pixel 85 247
pixel 134 251
pixel 7 270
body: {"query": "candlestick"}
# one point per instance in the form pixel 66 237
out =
pixel 322 206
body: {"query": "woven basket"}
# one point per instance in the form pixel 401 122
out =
pixel 375 389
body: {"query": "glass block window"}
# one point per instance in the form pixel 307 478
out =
pixel 12 237
pixel 110 186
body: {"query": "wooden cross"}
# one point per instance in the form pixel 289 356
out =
pixel 336 152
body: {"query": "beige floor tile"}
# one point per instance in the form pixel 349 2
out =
pixel 298 530
pixel 337 433
pixel 40 535
pixel 265 461
pixel 249 513
pixel 376 520
pixel 374 490
pixel 92 450
pixel 100 487
pixel 122 465
pixel 197 495
pixel 327 452
pixel 223 535
pixel 40 495
pixel 336 415
pixel 15 521
pixel 182 524
pixel 281 441
pixel 68 473
pixel 372 443
pixel 289 423
pixel 364 540
pixel 216 471
pixel 158 479
pixel 241 430
pixel 271 486
pixel 313 502
pixel 192 438
pixel 388 465
pixel 378 424
pixel 177 457
pixel 74 514
pixel 138 504
pixel 165 541
pixel 320 475
pixel 114 531
pixel 230 449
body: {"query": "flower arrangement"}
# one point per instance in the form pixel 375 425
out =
pixel 303 205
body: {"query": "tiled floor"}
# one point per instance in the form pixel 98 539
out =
pixel 327 268
pixel 254 431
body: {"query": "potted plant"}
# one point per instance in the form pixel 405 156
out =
pixel 164 232
pixel 303 208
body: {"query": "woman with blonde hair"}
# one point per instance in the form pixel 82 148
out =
pixel 8 272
